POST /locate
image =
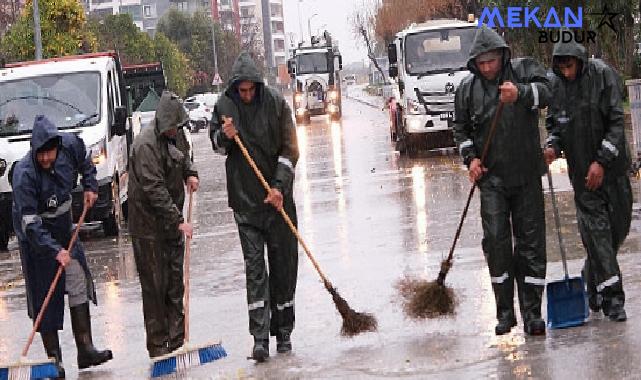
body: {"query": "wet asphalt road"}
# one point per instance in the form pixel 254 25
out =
pixel 369 217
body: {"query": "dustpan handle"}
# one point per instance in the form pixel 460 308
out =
pixel 557 222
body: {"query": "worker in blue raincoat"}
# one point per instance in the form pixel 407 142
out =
pixel 42 185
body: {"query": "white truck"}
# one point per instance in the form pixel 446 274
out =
pixel 315 71
pixel 85 95
pixel 427 62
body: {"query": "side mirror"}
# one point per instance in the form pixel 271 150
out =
pixel 291 68
pixel 391 54
pixel 120 121
pixel 393 71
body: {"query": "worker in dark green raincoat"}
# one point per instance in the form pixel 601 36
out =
pixel 512 208
pixel 263 120
pixel 158 174
pixel 585 121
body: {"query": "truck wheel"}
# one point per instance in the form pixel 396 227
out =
pixel 111 225
pixel 337 116
pixel 401 144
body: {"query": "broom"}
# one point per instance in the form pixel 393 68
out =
pixel 31 369
pixel 353 322
pixel 187 356
pixel 432 299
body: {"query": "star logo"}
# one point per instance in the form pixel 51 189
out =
pixel 607 18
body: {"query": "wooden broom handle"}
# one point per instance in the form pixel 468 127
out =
pixel 186 269
pixel 282 212
pixel 45 303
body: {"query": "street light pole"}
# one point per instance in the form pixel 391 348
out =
pixel 213 42
pixel 309 25
pixel 37 35
pixel 300 21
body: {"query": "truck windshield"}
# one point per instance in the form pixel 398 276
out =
pixel 66 99
pixel 311 63
pixel 438 51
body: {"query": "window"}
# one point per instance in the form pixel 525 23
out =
pixel 277 27
pixel 276 10
pixel 279 45
pixel 247 12
pixel 146 10
pixel 225 2
pixel 134 10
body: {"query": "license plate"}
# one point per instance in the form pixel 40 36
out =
pixel 447 116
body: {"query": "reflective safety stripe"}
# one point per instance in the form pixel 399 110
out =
pixel 609 146
pixel 500 279
pixel 256 305
pixel 551 138
pixel 535 93
pixel 217 148
pixel 61 210
pixel 29 219
pixel 282 307
pixel 609 282
pixel 534 281
pixel 466 144
pixel 286 161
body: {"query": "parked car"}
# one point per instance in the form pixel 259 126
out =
pixel 200 107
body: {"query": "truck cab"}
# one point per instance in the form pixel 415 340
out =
pixel 427 62
pixel 315 72
pixel 84 95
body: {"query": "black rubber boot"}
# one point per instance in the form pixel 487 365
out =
pixel 617 314
pixel 535 326
pixel 52 348
pixel 88 356
pixel 504 326
pixel 283 343
pixel 260 352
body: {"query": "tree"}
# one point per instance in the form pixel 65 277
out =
pixel 9 12
pixel 193 36
pixel 63 31
pixel 119 33
pixel 175 64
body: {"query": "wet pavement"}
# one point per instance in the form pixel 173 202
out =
pixel 370 217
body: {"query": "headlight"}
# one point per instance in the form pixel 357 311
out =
pixel 333 95
pixel 413 106
pixel 3 166
pixel 298 97
pixel 98 152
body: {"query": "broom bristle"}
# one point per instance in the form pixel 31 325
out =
pixel 425 299
pixel 29 370
pixel 179 362
pixel 354 322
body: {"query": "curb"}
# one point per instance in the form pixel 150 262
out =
pixel 367 103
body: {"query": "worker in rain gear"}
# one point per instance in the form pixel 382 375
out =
pixel 263 120
pixel 585 121
pixel 42 185
pixel 158 174
pixel 512 208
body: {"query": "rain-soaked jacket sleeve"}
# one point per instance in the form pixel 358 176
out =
pixel 534 86
pixel 153 185
pixel 463 125
pixel 288 156
pixel 25 200
pixel 86 168
pixel 613 142
pixel 219 141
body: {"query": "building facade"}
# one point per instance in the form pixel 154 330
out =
pixel 145 13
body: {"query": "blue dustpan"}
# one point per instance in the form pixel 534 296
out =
pixel 567 301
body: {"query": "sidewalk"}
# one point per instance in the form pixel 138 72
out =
pixel 357 92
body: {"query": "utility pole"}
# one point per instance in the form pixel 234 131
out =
pixel 213 41
pixel 309 26
pixel 37 35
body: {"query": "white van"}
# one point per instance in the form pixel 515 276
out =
pixel 84 95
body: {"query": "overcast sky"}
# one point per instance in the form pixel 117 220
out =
pixel 334 13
